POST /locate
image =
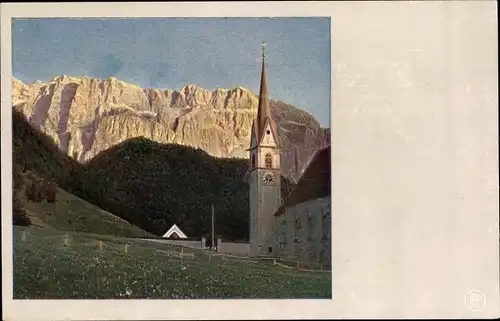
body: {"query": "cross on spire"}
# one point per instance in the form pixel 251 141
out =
pixel 263 48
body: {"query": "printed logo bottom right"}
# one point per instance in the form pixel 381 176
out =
pixel 475 300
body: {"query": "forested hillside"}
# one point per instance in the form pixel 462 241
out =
pixel 149 184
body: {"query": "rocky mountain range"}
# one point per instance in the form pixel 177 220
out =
pixel 85 116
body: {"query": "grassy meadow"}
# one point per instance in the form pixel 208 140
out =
pixel 50 265
pixel 71 213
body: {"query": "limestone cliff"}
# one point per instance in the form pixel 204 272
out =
pixel 86 116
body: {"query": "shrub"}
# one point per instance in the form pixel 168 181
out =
pixel 33 192
pixel 41 189
pixel 17 179
pixel 50 191
pixel 19 215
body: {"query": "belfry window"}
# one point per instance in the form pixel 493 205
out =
pixel 269 161
pixel 253 160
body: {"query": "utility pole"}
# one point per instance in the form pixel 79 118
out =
pixel 213 234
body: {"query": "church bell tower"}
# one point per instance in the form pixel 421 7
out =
pixel 265 174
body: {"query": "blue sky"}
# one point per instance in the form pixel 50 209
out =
pixel 172 52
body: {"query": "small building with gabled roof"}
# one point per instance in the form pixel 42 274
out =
pixel 175 233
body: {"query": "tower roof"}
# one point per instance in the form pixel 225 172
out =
pixel 264 111
pixel 315 183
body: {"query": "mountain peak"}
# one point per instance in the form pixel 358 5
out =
pixel 16 81
pixel 88 115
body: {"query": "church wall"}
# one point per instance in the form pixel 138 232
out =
pixel 304 231
pixel 235 248
pixel 264 201
pixel 270 199
pixel 260 157
pixel 262 151
pixel 254 199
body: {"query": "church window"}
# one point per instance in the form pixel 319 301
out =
pixel 268 132
pixel 253 160
pixel 269 161
pixel 270 249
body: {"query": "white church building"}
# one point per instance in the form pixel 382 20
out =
pixel 298 228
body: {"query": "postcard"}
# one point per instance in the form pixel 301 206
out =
pixel 249 160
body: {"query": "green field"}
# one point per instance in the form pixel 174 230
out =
pixel 50 265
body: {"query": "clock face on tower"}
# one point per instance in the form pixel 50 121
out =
pixel 268 178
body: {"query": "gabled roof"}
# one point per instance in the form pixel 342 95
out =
pixel 314 183
pixel 274 132
pixel 175 229
pixel 253 135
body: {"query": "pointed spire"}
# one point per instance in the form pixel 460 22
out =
pixel 263 111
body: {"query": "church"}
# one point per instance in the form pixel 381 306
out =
pixel 299 227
